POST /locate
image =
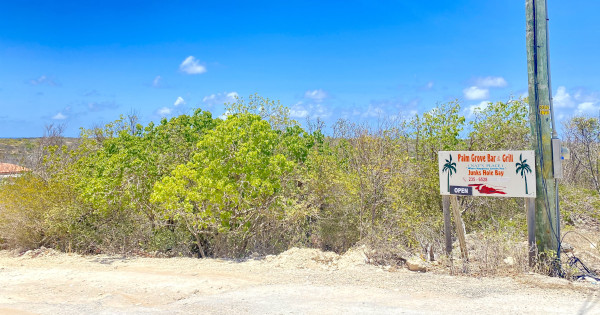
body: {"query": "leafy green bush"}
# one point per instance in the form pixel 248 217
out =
pixel 232 186
pixel 256 181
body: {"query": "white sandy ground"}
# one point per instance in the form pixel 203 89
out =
pixel 299 281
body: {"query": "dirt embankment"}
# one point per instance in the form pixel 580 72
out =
pixel 299 281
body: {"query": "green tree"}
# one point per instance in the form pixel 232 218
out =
pixel 500 126
pixel 582 136
pixel 497 126
pixel 116 168
pixel 438 130
pixel 232 183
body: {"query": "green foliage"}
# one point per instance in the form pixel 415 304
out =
pixel 256 181
pixel 114 170
pixel 579 205
pixel 232 182
pixel 438 130
pixel 500 126
pixel 272 111
pixel 582 137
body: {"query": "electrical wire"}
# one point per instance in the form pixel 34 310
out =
pixel 575 262
pixel 538 126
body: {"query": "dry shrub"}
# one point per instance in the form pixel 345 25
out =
pixel 491 253
pixel 29 211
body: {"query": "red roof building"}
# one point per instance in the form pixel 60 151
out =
pixel 7 169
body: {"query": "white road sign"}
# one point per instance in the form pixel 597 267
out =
pixel 487 173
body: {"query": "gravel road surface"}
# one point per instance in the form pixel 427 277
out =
pixel 299 281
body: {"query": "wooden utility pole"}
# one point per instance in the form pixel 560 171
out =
pixel 547 227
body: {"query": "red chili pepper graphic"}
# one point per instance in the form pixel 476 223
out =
pixel 483 189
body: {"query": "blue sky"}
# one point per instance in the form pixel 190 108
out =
pixel 83 63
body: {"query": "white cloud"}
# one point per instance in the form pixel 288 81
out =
pixel 298 111
pixel 477 107
pixel 220 98
pixel 165 111
pixel 59 116
pixel 491 82
pixel 562 98
pixel 586 96
pixel 429 85
pixel 476 93
pixel 179 101
pixel 191 65
pixel 317 95
pixel 374 111
pixel 157 81
pixel 225 115
pixel 590 108
pixel 319 111
pixel 386 109
pixel 582 101
pixel 301 110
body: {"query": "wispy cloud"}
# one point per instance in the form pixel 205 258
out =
pixel 427 86
pixel 157 82
pixel 316 95
pixel 495 82
pixel 176 109
pixel 44 80
pixel 179 101
pixel 220 98
pixel 314 110
pixel 582 101
pixel 79 109
pixel 100 106
pixel 59 116
pixel 164 111
pixel 298 111
pixel 91 93
pixel 391 108
pixel 394 108
pixel 477 107
pixel 590 108
pixel 374 111
pixel 476 93
pixel 311 106
pixel 191 65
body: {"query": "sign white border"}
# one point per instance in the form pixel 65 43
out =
pixel 487 173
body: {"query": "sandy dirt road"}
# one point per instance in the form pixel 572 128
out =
pixel 295 282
